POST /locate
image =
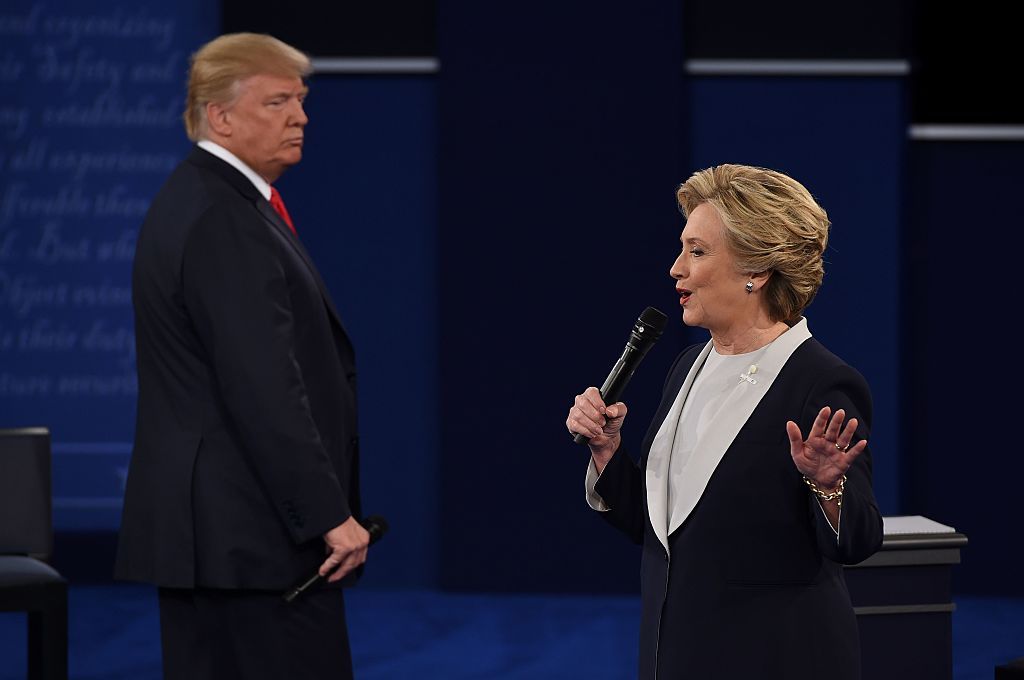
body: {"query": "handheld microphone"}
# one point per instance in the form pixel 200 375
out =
pixel 646 331
pixel 375 525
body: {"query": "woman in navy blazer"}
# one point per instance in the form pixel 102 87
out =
pixel 754 481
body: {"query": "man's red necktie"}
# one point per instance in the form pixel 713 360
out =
pixel 278 205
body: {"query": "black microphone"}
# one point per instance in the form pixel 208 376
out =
pixel 646 331
pixel 375 525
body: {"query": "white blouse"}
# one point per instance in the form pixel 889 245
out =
pixel 716 387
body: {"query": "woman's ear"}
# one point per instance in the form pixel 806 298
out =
pixel 759 279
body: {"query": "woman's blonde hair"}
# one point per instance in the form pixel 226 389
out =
pixel 219 66
pixel 772 224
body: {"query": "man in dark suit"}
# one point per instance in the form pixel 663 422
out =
pixel 244 472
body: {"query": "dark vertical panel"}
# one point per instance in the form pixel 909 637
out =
pixel 381 28
pixel 558 225
pixel 963 395
pixel 364 202
pixel 798 29
pixel 966 63
pixel 843 139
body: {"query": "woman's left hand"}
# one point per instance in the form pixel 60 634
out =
pixel 826 454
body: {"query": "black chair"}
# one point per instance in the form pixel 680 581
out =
pixel 1011 670
pixel 27 583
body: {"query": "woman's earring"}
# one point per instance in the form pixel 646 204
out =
pixel 750 286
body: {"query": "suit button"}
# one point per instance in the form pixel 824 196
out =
pixel 354 441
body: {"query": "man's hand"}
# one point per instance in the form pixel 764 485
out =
pixel 347 544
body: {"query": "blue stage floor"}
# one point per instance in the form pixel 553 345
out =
pixel 397 635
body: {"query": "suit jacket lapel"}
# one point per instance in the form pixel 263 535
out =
pixel 269 214
pixel 661 450
pixel 242 184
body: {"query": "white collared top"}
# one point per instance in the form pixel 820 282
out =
pixel 238 164
pixel 719 384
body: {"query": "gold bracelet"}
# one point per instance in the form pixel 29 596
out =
pixel 836 495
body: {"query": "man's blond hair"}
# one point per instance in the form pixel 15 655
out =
pixel 219 67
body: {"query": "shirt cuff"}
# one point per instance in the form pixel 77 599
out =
pixel 594 499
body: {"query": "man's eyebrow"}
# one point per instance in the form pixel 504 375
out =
pixel 288 93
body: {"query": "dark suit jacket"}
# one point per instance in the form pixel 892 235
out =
pixel 754 587
pixel 245 446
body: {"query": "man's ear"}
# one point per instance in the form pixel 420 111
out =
pixel 218 119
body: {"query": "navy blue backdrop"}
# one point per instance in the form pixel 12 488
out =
pixel 489 233
pixel 90 125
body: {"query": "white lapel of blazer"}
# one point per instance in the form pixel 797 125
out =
pixel 661 450
pixel 721 432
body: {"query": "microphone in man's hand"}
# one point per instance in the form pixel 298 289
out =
pixel 646 331
pixel 375 525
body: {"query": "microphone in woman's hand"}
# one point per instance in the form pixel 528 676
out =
pixel 646 331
